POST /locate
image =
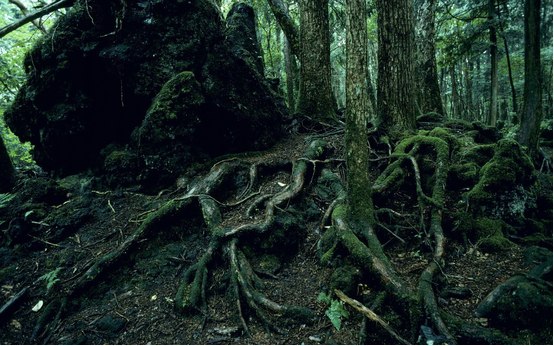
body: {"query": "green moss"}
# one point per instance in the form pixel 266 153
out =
pixel 458 125
pixel 490 236
pixel 510 167
pixel 479 154
pixel 268 263
pixel 346 279
pixel 462 175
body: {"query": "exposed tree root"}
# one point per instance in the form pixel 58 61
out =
pixel 360 239
pixel 244 282
pixel 370 254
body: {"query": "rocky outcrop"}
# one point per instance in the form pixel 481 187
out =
pixel 88 99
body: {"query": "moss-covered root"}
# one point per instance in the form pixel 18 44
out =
pixel 426 292
pixel 315 150
pixel 370 256
pixel 470 333
pixel 191 295
pixel 247 282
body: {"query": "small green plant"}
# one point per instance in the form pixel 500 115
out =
pixel 50 278
pixel 336 310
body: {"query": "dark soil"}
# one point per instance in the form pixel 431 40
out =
pixel 133 304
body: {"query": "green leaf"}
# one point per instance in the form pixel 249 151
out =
pixel 325 299
pixel 334 316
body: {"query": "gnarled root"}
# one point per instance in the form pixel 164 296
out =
pixel 244 282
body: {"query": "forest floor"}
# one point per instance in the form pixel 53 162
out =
pixel 133 304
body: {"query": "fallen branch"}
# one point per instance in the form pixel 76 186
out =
pixel 35 15
pixel 12 303
pixel 371 315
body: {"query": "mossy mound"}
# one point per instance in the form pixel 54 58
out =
pixel 504 187
pixel 346 280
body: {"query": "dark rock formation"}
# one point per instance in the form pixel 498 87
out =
pixel 92 79
pixel 6 169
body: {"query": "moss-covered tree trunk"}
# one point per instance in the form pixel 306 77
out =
pixel 315 99
pixel 6 169
pixel 532 96
pixel 428 84
pixel 396 76
pixel 357 155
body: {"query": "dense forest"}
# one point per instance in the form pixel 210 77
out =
pixel 276 171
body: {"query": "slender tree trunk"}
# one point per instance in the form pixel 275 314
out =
pixel 6 169
pixel 287 24
pixel 371 92
pixel 357 155
pixel 470 109
pixel 396 99
pixel 493 106
pixel 428 85
pixel 289 60
pixel 532 94
pixel 315 99
pixel 444 97
pixel 455 96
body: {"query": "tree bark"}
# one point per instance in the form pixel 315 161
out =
pixel 493 106
pixel 287 24
pixel 289 61
pixel 532 93
pixel 468 81
pixel 396 77
pixel 429 92
pixel 357 154
pixel 315 99
pixel 455 96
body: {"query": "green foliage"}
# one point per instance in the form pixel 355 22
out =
pixel 50 278
pixel 5 198
pixel 20 153
pixel 336 310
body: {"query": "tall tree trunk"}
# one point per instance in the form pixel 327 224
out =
pixel 6 169
pixel 315 99
pixel 371 92
pixel 429 92
pixel 514 95
pixel 493 106
pixel 468 80
pixel 287 24
pixel 455 96
pixel 396 99
pixel 357 154
pixel 532 92
pixel 289 61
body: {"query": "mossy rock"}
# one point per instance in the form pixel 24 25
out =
pixel 490 235
pixel 329 185
pixel 458 124
pixel 462 176
pixel 528 305
pixel 479 154
pixel 346 279
pixel 504 190
pixel 432 117
pixel 485 134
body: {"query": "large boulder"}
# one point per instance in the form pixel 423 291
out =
pixel 91 82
